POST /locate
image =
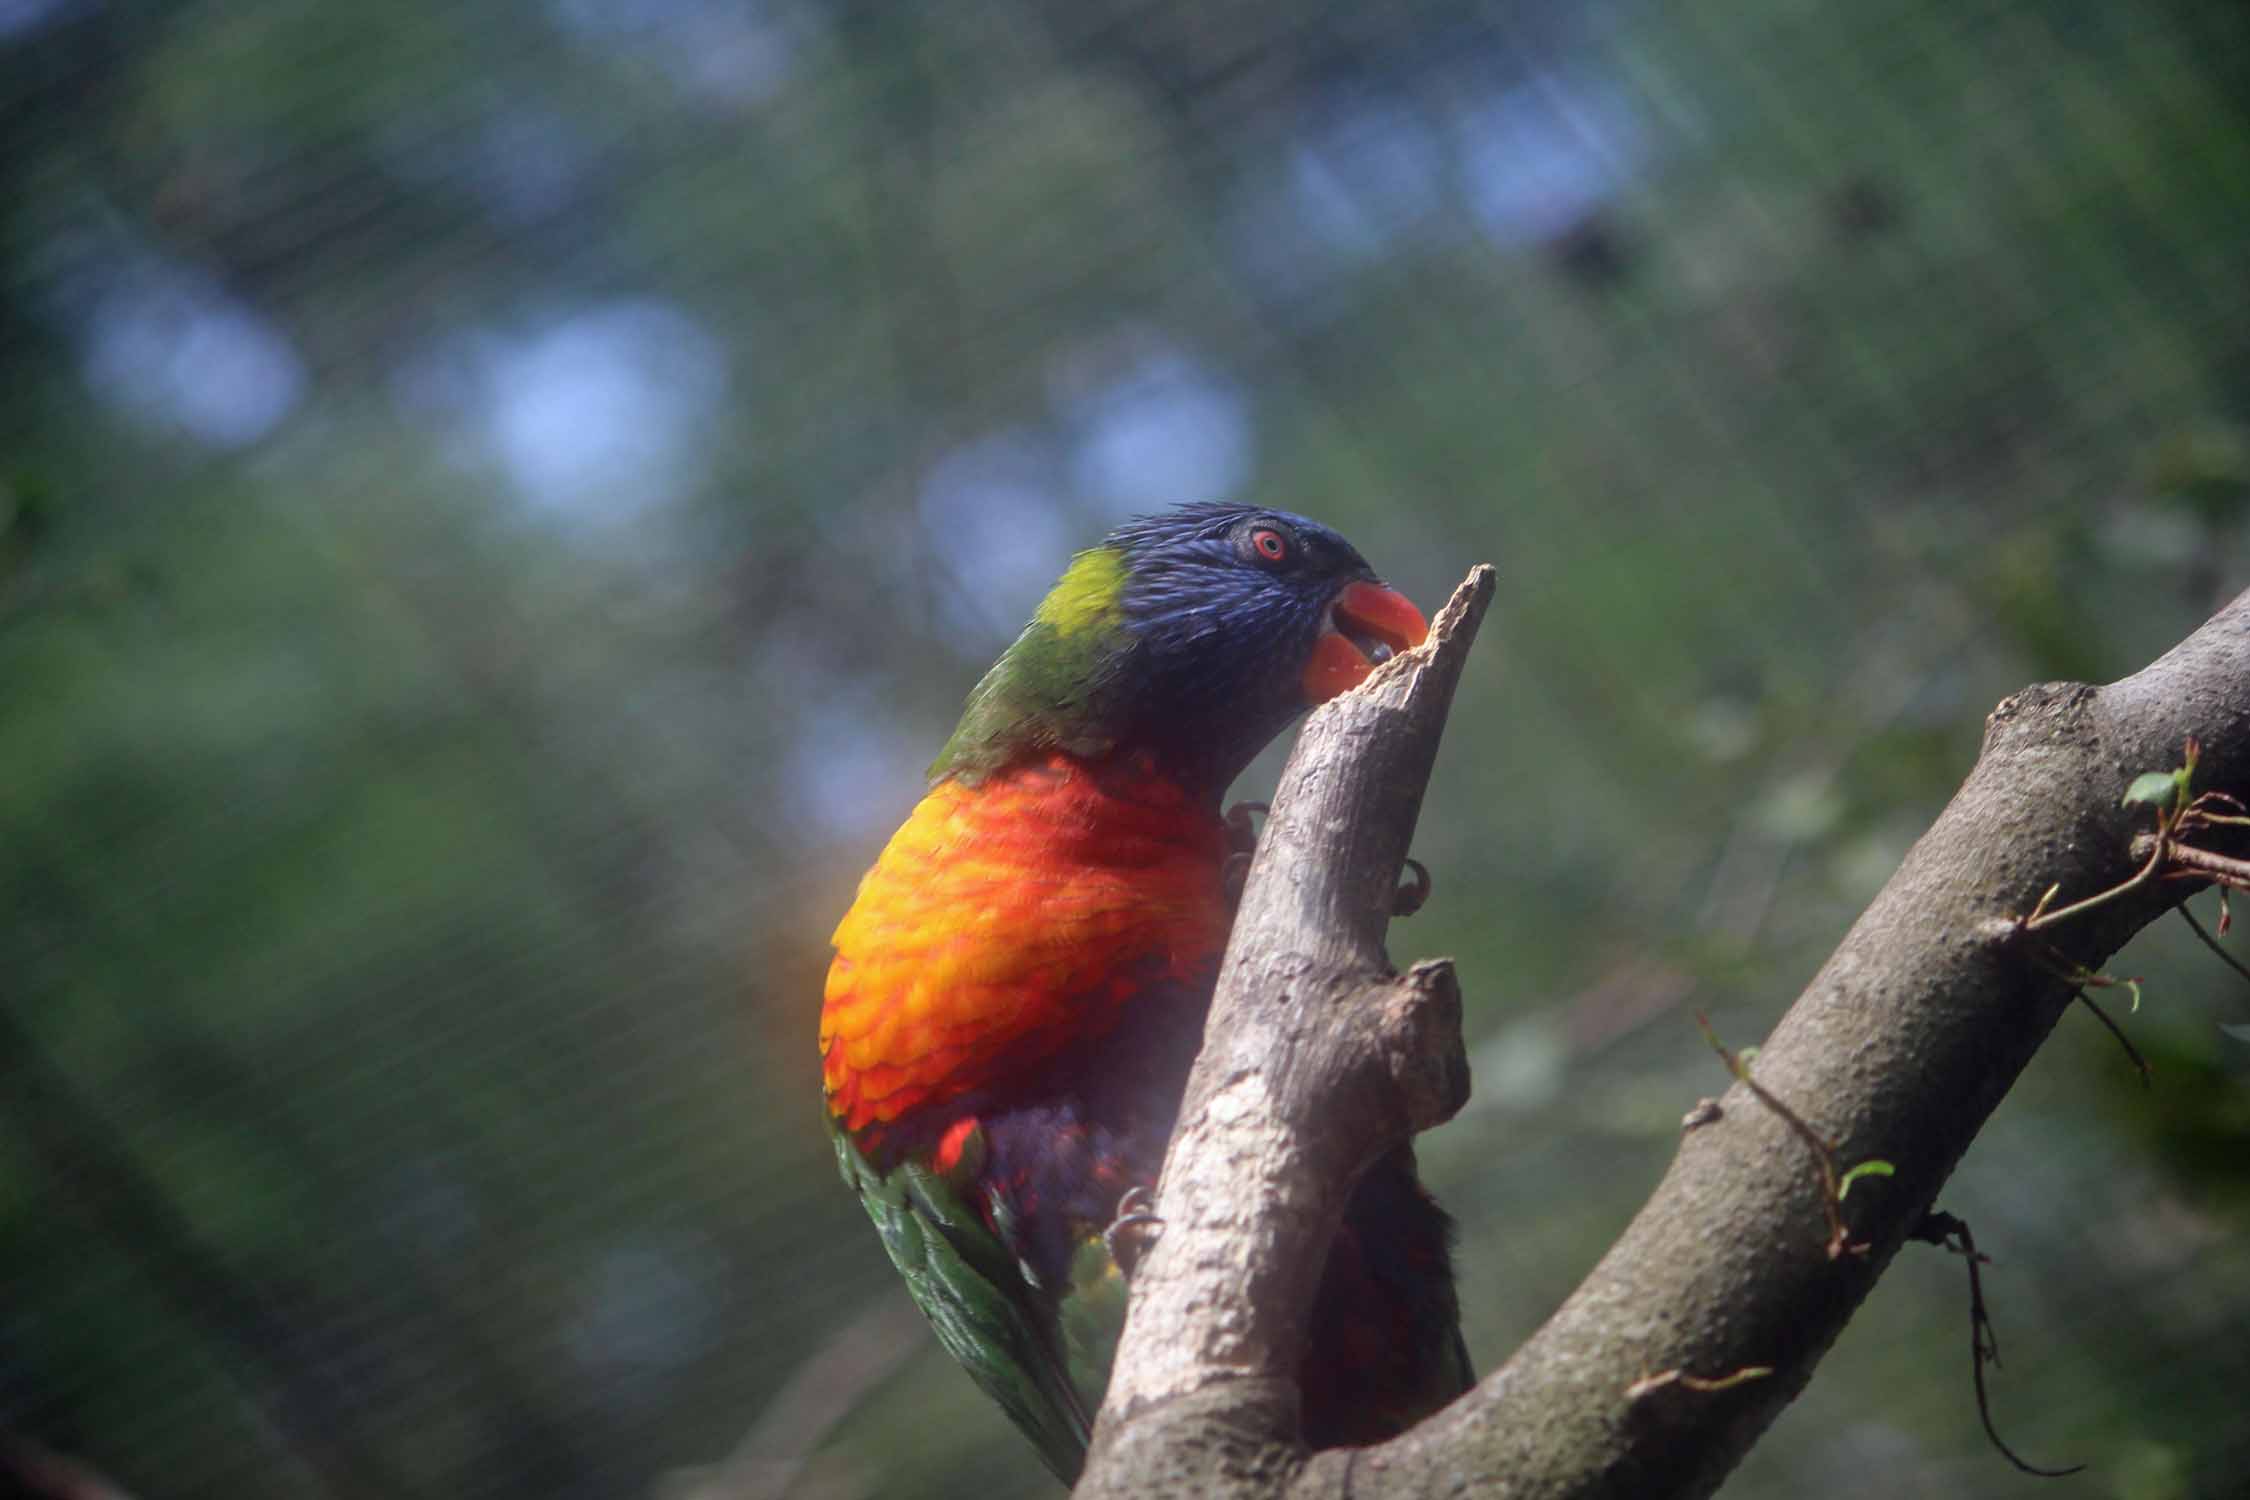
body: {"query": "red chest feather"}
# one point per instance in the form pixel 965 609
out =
pixel 1007 919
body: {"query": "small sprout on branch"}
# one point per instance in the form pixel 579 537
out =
pixel 1874 1166
pixel 1650 1384
pixel 2041 917
pixel 2160 789
pixel 2081 979
pixel 1950 1233
pixel 1832 1186
pixel 2179 812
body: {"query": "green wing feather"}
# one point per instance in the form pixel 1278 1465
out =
pixel 985 1311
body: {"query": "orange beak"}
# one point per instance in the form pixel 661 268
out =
pixel 1367 624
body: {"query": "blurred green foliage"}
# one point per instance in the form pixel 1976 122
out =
pixel 498 504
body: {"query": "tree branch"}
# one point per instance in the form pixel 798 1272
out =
pixel 1899 1049
pixel 1317 1058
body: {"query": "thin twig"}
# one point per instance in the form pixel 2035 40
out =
pixel 2211 942
pixel 2078 992
pixel 2041 917
pixel 2080 978
pixel 2191 863
pixel 1707 1384
pixel 1823 1149
pixel 1950 1233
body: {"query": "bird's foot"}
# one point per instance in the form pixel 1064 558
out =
pixel 1233 876
pixel 1136 1222
pixel 1242 844
pixel 1411 891
pixel 1242 834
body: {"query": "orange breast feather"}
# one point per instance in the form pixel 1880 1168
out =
pixel 1006 919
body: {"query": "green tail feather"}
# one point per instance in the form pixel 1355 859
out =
pixel 1043 1350
pixel 986 1313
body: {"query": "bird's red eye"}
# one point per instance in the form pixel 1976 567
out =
pixel 1270 544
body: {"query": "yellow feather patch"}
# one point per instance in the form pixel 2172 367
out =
pixel 1086 594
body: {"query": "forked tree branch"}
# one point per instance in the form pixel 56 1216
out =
pixel 1317 1059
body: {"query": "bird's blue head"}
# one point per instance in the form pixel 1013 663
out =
pixel 1194 635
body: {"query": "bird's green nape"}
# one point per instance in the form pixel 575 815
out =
pixel 1042 692
pixel 1087 596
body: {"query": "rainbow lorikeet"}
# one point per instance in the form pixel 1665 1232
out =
pixel 1020 987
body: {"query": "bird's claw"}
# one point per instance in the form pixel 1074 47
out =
pixel 1233 876
pixel 1412 892
pixel 1242 834
pixel 1242 844
pixel 1135 1213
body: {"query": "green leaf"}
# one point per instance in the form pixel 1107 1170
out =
pixel 2155 787
pixel 1872 1167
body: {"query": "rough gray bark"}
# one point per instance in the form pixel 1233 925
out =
pixel 1317 1058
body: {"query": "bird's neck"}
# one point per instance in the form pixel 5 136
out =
pixel 1118 718
pixel 1085 681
